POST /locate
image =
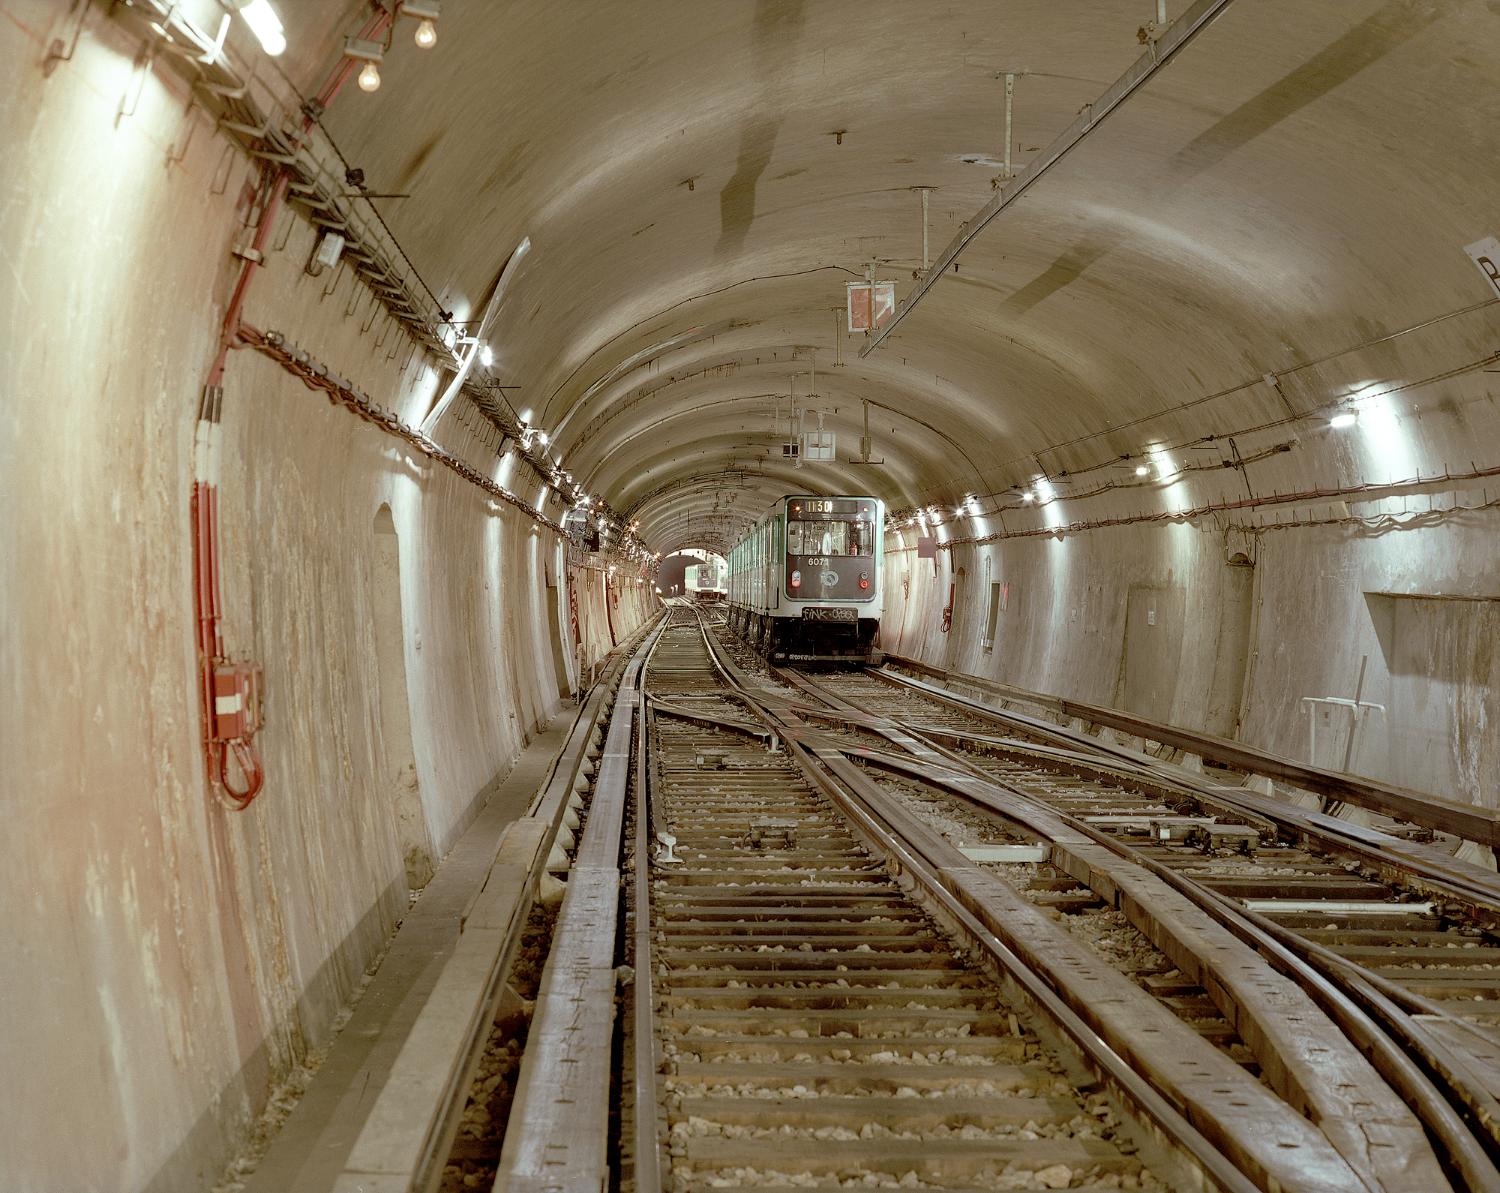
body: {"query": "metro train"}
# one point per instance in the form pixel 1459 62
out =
pixel 705 582
pixel 804 583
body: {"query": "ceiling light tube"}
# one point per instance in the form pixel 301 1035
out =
pixel 1344 418
pixel 265 24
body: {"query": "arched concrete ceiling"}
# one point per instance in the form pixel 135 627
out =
pixel 698 181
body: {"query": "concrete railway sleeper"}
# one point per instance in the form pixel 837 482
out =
pixel 1398 973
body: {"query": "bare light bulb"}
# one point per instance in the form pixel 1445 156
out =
pixel 426 35
pixel 369 77
pixel 486 355
pixel 1142 470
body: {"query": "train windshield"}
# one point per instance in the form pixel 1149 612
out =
pixel 830 538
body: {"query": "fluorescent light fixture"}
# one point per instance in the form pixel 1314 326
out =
pixel 265 24
pixel 1344 418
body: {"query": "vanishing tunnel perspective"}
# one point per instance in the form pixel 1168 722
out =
pixel 762 594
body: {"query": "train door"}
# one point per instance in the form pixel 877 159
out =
pixel 778 559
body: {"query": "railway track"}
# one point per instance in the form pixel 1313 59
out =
pixel 831 932
pixel 1401 952
pixel 817 1025
pixel 1385 923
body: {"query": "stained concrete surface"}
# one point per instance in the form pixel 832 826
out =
pixel 309 1150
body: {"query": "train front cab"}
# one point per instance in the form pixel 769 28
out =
pixel 817 595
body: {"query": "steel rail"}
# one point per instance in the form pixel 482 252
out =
pixel 1481 825
pixel 1357 1000
pixel 1173 40
pixel 558 1132
pixel 1422 866
pixel 413 1118
pixel 1153 1106
pixel 1443 875
pixel 1215 976
pixel 646 1087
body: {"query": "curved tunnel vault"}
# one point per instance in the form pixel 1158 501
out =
pixel 1202 422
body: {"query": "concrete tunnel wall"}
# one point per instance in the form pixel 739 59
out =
pixel 173 961
pixel 1227 631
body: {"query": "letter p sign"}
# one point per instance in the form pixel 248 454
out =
pixel 1486 255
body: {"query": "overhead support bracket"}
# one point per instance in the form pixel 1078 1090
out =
pixel 1008 169
pixel 1175 38
pixel 429 424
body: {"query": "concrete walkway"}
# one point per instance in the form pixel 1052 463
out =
pixel 309 1151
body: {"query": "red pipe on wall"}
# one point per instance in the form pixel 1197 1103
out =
pixel 229 691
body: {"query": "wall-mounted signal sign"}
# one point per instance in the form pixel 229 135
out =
pixel 870 304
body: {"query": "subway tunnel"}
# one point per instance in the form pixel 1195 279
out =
pixel 356 389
